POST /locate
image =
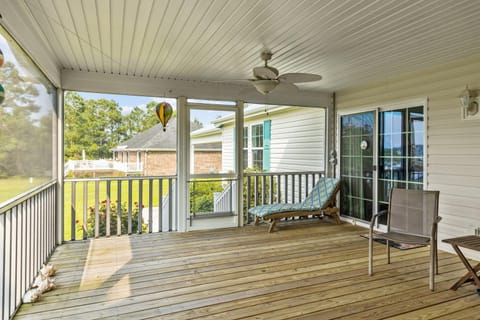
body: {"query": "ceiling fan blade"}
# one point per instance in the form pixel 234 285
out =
pixel 299 77
pixel 265 73
pixel 287 87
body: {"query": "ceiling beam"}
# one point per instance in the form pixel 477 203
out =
pixel 170 88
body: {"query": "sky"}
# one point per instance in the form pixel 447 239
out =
pixel 127 103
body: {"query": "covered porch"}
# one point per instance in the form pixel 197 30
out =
pixel 375 57
pixel 308 269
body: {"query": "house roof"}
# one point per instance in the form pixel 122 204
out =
pixel 154 139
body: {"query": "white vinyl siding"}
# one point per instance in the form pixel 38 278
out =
pixel 298 140
pixel 453 145
pixel 227 149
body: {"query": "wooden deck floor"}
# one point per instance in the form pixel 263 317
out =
pixel 306 270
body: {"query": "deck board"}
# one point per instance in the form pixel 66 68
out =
pixel 305 270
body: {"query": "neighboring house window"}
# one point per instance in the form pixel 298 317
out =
pixel 257 146
pixel 245 147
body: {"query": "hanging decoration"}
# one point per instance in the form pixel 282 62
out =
pixel 164 112
pixel 2 94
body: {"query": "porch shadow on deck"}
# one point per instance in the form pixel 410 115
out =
pixel 308 269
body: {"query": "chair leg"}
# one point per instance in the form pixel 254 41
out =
pixel 272 224
pixel 257 220
pixel 432 267
pixel 388 251
pixel 370 252
pixel 436 258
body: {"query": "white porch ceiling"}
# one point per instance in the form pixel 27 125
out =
pixel 348 42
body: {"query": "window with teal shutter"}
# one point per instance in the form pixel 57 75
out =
pixel 267 136
pixel 257 146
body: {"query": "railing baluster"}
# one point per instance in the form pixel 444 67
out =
pixel 97 212
pixel 85 209
pixel 293 188
pixel 129 207
pixel 160 205
pixel 23 268
pixel 170 205
pixel 119 207
pixel 73 208
pixel 140 205
pixel 271 189
pixel 3 258
pixel 300 188
pixel 263 189
pixel 15 258
pixel 278 189
pixel 255 190
pixel 150 204
pixel 107 213
pixel 248 197
pixel 9 261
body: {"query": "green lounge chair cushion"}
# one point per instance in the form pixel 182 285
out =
pixel 313 202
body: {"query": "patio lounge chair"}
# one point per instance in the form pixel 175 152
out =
pixel 413 219
pixel 319 202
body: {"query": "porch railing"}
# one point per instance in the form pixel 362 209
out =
pixel 102 165
pixel 276 187
pixel 97 207
pixel 27 239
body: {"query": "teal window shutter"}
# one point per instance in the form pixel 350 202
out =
pixel 267 137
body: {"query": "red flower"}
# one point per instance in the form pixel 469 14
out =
pixel 143 206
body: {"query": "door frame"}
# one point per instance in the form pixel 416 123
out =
pixel 341 113
pixel 184 167
pixel 377 108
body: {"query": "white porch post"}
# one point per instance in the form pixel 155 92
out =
pixel 183 167
pixel 331 155
pixel 239 160
pixel 59 150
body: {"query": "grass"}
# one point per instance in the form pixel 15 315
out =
pixel 13 186
pixel 77 212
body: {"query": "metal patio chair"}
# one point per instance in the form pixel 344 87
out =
pixel 412 217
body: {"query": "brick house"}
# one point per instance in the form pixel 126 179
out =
pixel 153 152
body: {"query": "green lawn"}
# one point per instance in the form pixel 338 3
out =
pixel 13 186
pixel 102 195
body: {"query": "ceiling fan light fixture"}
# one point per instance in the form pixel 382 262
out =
pixel 265 86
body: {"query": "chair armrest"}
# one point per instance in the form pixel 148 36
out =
pixel 375 217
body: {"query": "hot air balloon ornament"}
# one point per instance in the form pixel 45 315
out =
pixel 2 94
pixel 164 112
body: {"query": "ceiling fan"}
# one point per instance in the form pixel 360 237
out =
pixel 267 78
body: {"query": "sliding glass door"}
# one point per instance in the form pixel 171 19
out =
pixel 400 151
pixel 397 146
pixel 357 136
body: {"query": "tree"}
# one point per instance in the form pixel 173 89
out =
pixel 95 126
pixel 20 125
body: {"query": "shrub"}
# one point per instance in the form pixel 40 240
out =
pixel 114 208
pixel 201 195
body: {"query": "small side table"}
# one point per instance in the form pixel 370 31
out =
pixel 469 242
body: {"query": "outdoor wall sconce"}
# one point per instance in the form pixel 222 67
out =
pixel 469 102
